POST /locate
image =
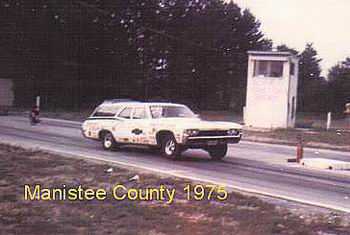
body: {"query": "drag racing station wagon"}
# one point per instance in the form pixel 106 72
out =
pixel 170 128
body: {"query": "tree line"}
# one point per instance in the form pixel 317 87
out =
pixel 77 53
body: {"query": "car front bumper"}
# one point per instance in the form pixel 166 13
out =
pixel 205 141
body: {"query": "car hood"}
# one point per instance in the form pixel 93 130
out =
pixel 196 123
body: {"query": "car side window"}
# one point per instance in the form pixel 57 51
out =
pixel 126 113
pixel 106 111
pixel 139 113
pixel 156 112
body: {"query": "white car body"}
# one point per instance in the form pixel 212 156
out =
pixel 191 132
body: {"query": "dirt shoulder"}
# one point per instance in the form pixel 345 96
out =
pixel 239 214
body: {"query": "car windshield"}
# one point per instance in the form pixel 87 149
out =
pixel 171 112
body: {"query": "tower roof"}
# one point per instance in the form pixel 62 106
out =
pixel 270 53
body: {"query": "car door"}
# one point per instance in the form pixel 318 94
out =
pixel 123 128
pixel 140 126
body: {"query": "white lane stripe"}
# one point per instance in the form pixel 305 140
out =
pixel 178 174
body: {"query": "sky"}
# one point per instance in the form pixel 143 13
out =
pixel 325 23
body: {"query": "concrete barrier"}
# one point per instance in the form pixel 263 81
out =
pixel 322 163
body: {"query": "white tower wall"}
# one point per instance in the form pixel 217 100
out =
pixel 270 97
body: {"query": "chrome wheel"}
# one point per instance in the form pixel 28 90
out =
pixel 108 142
pixel 170 147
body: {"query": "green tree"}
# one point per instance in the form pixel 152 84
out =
pixel 285 48
pixel 339 86
pixel 311 86
pixel 309 77
pixel 186 51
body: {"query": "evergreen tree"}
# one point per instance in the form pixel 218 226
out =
pixel 183 50
pixel 339 86
pixel 309 75
pixel 285 48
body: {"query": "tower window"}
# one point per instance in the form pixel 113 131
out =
pixel 268 68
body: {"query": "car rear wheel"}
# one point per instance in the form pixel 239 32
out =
pixel 169 148
pixel 218 152
pixel 108 142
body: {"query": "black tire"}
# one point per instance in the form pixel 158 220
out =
pixel 218 152
pixel 170 148
pixel 108 142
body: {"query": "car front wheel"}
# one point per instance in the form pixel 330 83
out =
pixel 170 148
pixel 218 152
pixel 108 142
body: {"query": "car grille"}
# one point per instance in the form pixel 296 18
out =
pixel 212 133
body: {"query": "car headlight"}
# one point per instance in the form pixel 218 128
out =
pixel 233 132
pixel 191 132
